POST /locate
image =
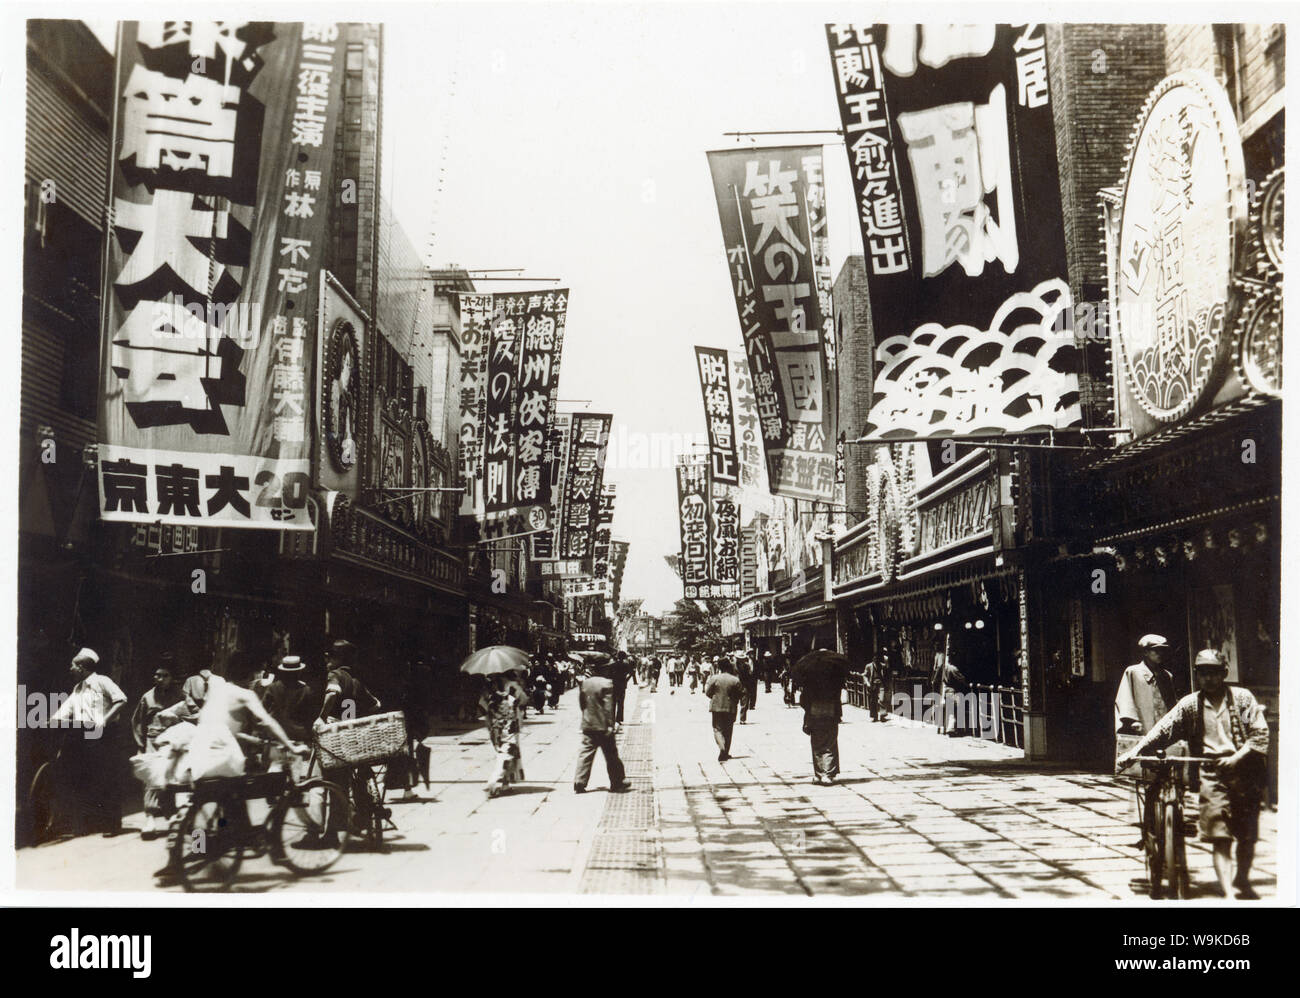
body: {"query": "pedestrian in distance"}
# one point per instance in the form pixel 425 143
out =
pixel 724 691
pixel 623 670
pixel 693 674
pixel 749 682
pixel 767 668
pixel 1227 723
pixel 596 700
pixel 656 666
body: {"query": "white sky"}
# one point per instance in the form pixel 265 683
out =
pixel 571 140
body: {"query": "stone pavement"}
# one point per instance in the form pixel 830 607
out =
pixel 914 815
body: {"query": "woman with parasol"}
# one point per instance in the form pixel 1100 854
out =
pixel 503 667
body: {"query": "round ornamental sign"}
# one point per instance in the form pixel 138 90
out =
pixel 1271 218
pixel 1259 336
pixel 1183 216
pixel 342 375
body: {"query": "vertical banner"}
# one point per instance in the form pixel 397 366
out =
pixel 724 537
pixel 523 374
pixel 544 542
pixel 617 563
pixel 771 203
pixel 475 323
pixel 754 495
pixel 588 439
pixel 214 251
pixel 604 519
pixel 715 385
pixel 949 135
pixel 693 518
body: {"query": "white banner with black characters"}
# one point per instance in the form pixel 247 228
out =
pixel 214 251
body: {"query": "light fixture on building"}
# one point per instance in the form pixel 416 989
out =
pixel 968 625
pixel 938 625
pixel 979 625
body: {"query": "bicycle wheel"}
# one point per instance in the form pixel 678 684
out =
pixel 210 844
pixel 1153 836
pixel 1175 850
pixel 42 805
pixel 309 827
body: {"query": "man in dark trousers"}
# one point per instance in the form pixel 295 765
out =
pixel 623 669
pixel 596 698
pixel 724 691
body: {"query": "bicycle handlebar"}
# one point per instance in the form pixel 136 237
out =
pixel 1176 758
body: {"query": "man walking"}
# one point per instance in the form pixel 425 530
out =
pixel 821 674
pixel 596 699
pixel 91 755
pixel 163 694
pixel 748 685
pixel 1227 723
pixel 724 691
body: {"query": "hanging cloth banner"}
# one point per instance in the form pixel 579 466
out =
pixel 583 483
pixel 523 376
pixel 772 206
pixel 214 252
pixel 949 135
pixel 475 326
pixel 709 524
pixel 719 419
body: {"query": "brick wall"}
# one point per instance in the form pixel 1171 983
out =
pixel 855 349
pixel 1100 75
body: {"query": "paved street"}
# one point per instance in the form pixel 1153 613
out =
pixel 916 815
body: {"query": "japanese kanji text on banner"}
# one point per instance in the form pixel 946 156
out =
pixel 949 135
pixel 772 206
pixel 218 229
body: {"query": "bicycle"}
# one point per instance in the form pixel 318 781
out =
pixel 306 828
pixel 45 808
pixel 363 752
pixel 1164 849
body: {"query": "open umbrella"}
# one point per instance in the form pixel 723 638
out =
pixel 821 669
pixel 495 660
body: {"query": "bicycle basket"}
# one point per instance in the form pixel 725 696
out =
pixel 362 740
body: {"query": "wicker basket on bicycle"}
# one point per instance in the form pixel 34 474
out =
pixel 362 740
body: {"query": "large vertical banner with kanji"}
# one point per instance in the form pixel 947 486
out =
pixel 950 139
pixel 772 206
pixel 523 374
pixel 693 519
pixel 584 480
pixel 221 189
pixel 719 419
pixel 475 323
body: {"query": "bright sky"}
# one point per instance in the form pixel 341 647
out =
pixel 570 140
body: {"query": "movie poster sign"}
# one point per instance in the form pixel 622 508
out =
pixel 544 541
pixel 475 328
pixel 709 523
pixel 772 206
pixel 719 419
pixel 584 480
pixel 218 232
pixel 949 135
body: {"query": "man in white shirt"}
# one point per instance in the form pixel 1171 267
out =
pixel 1228 724
pixel 92 759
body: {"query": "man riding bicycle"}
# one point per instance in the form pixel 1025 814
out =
pixel 1227 723
pixel 346 697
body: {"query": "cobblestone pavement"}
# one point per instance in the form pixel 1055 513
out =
pixel 914 815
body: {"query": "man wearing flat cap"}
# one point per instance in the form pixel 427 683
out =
pixel 1226 723
pixel 1146 692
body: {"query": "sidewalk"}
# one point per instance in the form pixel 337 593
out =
pixel 453 838
pixel 914 815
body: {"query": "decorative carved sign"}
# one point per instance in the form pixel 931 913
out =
pixel 1183 213
pixel 1259 335
pixel 965 514
pixel 1270 219
pixel 342 375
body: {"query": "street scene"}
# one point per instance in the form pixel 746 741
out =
pixel 466 455
pixel 915 815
